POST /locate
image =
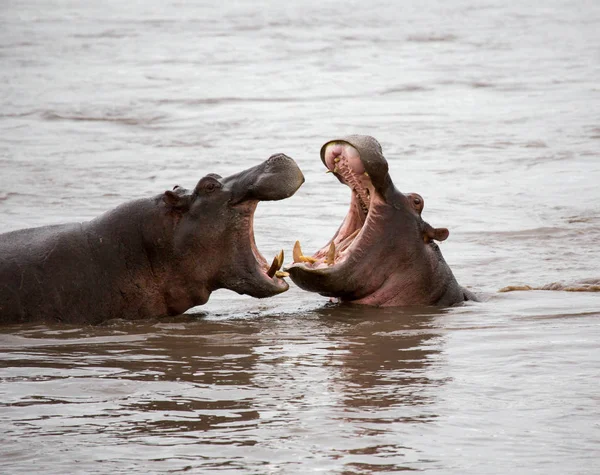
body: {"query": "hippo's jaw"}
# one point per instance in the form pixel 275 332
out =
pixel 247 271
pixel 348 265
pixel 256 276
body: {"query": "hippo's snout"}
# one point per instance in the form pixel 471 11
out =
pixel 276 178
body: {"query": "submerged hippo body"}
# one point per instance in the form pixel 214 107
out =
pixel 384 253
pixel 147 258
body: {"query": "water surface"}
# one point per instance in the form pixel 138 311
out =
pixel 487 109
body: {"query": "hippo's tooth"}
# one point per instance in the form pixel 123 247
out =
pixel 273 268
pixel 276 265
pixel 336 159
pixel 299 257
pixel 330 259
pixel 281 274
pixel 297 252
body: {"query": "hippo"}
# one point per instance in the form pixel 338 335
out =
pixel 150 257
pixel 384 253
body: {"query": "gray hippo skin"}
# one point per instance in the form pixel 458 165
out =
pixel 383 254
pixel 150 257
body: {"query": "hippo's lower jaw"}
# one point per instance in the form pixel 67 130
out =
pixel 383 254
pixel 256 276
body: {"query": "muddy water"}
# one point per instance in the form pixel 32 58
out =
pixel 490 110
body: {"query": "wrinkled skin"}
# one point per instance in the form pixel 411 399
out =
pixel 384 253
pixel 147 258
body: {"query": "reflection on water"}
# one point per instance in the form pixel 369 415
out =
pixel 335 378
pixel 387 356
pixel 332 388
pixel 487 109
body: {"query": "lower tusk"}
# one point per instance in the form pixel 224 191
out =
pixel 274 268
pixel 297 253
pixel 282 274
pixel 330 259
pixel 276 265
pixel 299 257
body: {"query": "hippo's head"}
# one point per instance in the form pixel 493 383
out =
pixel 213 242
pixel 383 253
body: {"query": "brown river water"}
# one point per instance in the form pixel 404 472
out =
pixel 490 110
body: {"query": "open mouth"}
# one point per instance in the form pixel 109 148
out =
pixel 245 269
pixel 271 274
pixel 344 161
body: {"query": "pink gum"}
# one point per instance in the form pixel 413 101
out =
pixel 335 150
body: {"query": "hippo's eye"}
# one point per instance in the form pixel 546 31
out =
pixel 207 185
pixel 417 201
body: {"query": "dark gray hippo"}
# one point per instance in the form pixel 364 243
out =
pixel 383 254
pixel 150 257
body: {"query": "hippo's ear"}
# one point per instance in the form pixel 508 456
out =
pixel 439 234
pixel 175 200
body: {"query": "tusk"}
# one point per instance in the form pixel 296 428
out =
pixel 276 265
pixel 330 259
pixel 274 268
pixel 282 274
pixel 297 252
pixel 299 257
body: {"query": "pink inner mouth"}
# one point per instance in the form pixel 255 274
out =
pixel 343 159
pixel 257 255
pixel 261 262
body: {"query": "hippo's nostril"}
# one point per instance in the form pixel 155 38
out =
pixel 279 158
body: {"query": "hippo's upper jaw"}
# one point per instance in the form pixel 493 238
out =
pixel 383 253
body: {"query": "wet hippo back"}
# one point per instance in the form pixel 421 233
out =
pixel 71 272
pixel 31 274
